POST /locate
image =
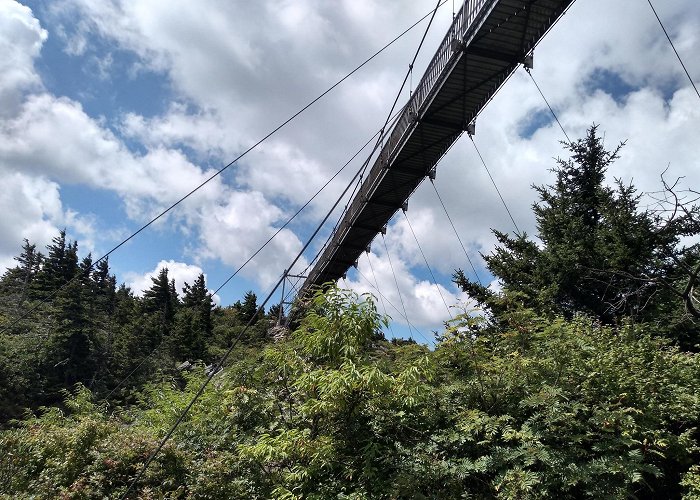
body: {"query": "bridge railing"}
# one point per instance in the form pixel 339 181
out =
pixel 461 26
pixel 450 44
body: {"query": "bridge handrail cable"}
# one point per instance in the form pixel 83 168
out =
pixel 463 23
pixel 460 25
pixel 463 27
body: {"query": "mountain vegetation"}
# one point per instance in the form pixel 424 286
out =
pixel 577 378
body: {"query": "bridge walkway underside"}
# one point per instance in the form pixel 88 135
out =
pixel 474 60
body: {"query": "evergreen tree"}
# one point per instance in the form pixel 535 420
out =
pixel 18 281
pixel 50 278
pixel 62 283
pixel 59 267
pixel 88 289
pixel 128 341
pixel 105 286
pixel 600 254
pixel 194 323
pixel 248 309
pixel 273 314
pixel 160 304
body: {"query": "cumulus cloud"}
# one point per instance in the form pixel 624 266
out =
pixel 427 305
pixel 55 137
pixel 181 272
pixel 204 132
pixel 21 38
pixel 53 141
pixel 31 203
pixel 35 206
pixel 238 69
pixel 647 102
pixel 245 222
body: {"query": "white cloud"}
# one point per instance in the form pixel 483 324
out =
pixel 240 68
pixel 233 230
pixel 426 304
pixel 179 271
pixel 34 211
pixel 204 131
pixel 31 203
pixel 35 206
pixel 21 38
pixel 55 137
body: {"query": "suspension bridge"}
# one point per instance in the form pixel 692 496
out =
pixel 485 44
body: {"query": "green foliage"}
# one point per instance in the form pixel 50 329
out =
pixel 599 254
pixel 691 483
pixel 572 384
pixel 531 408
pixel 160 302
pixel 85 453
pixel 569 409
pixel 338 327
pixel 193 322
pixel 248 309
pixel 66 322
pixel 17 282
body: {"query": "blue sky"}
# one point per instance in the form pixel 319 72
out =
pixel 111 110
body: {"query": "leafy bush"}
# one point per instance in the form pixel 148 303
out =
pixel 530 408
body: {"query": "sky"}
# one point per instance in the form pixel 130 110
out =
pixel 112 110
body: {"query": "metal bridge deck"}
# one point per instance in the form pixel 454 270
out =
pixel 486 42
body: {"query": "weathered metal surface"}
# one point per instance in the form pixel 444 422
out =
pixel 486 42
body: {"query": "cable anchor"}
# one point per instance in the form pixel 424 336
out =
pixel 471 128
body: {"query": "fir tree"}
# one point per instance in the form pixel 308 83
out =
pixel 160 303
pixel 194 322
pixel 600 254
pixel 17 282
pixel 247 310
pixel 105 286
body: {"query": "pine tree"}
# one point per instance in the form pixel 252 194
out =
pixel 66 283
pixel 129 340
pixel 599 254
pixel 194 322
pixel 160 303
pixel 248 309
pixel 50 278
pixel 105 287
pixel 18 281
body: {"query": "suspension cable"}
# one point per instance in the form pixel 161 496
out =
pixel 381 297
pixel 141 363
pixel 674 48
pixel 240 268
pixel 380 139
pixel 220 364
pixel 398 289
pixel 427 265
pixel 547 103
pixel 495 186
pixel 391 124
pixel 32 309
pixel 395 308
pixel 279 230
pixel 456 233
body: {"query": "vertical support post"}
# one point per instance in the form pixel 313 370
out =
pixel 279 313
